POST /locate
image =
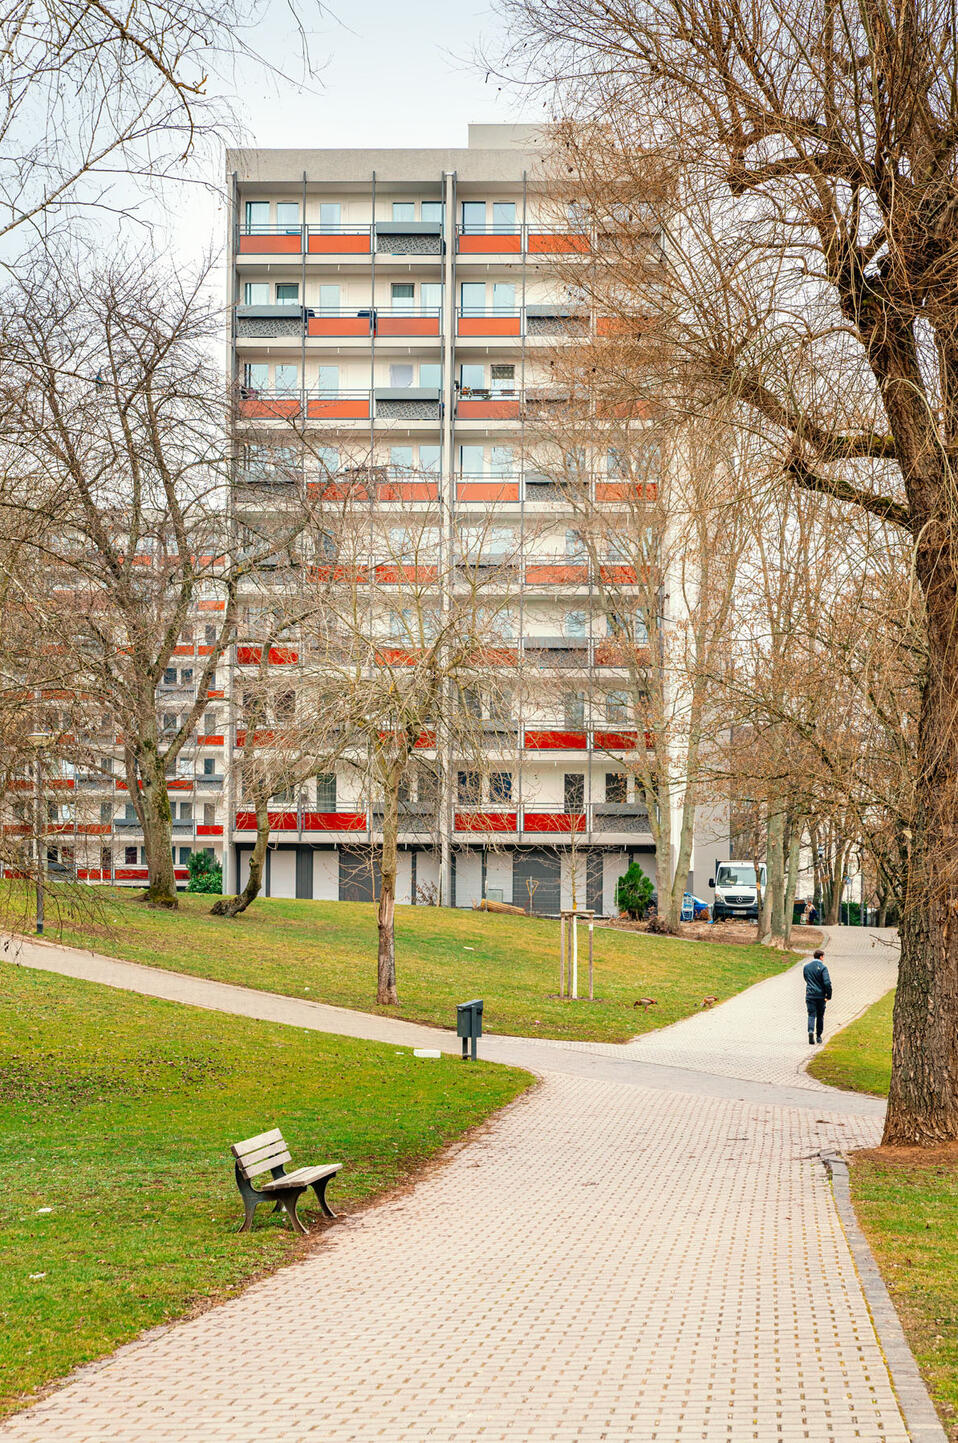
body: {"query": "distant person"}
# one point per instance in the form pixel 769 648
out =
pixel 818 991
pixel 811 917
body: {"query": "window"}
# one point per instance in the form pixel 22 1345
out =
pixel 471 701
pixel 573 709
pixel 400 458
pixel 427 786
pixel 209 723
pixel 503 298
pixel 256 293
pixel 256 375
pixel 129 856
pixel 430 376
pixel 287 215
pixel 616 787
pixel 503 460
pixel 328 459
pixel 573 624
pixel 329 300
pixel 328 381
pixel 169 676
pixel 430 296
pixel 330 216
pixel 404 210
pixel 209 766
pixel 185 854
pixel 473 298
pixel 169 721
pixel 503 215
pixel 186 676
pixel 500 787
pixel 641 630
pixel 326 792
pixel 129 812
pixel 472 377
pixel 402 294
pixel 186 811
pixel 287 291
pixel 429 456
pixel 285 706
pixel 106 859
pixel 209 814
pixel 431 210
pixel 468 789
pixel 400 375
pixel 106 813
pixel 503 379
pixel 615 463
pixel 473 215
pixel 573 791
pixel 617 708
pixel 575 548
pixel 257 217
pixel 472 459
pixel 209 634
pixel 287 378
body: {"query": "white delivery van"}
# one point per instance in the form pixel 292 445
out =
pixel 736 894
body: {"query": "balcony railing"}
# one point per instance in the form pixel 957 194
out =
pixel 357 237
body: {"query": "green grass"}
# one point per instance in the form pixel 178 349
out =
pixel 117 1111
pixel 326 951
pixel 859 1057
pixel 908 1207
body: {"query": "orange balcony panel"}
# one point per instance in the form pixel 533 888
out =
pixel 488 491
pixel 486 822
pixel 18 829
pixel 94 829
pixel 623 410
pixel 489 326
pixel 275 245
pixel 548 741
pixel 339 573
pixel 210 739
pixel 618 741
pixel 183 651
pixel 541 243
pixel 61 784
pixel 396 575
pixel 18 785
pixel 338 490
pixel 260 408
pixel 338 245
pixel 338 326
pixel 215 695
pixel 179 784
pixel 278 655
pixel 407 325
pixel 499 655
pixel 505 410
pixel 336 408
pixel 334 821
pixel 397 656
pixel 264 738
pixel 490 244
pixel 409 491
pixel 205 650
pixel 610 653
pixel 577 575
pixel 554 822
pixel 626 575
pixel 211 830
pixel 211 606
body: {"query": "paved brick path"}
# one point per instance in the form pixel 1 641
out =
pixel 633 1252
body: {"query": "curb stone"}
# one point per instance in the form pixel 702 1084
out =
pixel 921 1417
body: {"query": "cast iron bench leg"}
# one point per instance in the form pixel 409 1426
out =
pixel 290 1200
pixel 319 1188
pixel 250 1198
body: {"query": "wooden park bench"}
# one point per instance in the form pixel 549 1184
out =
pixel 267 1152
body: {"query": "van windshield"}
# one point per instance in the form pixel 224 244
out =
pixel 739 876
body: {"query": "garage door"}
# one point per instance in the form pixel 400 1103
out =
pixel 360 877
pixel 535 882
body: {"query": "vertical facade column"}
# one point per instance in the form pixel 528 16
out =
pixel 446 513
pixel 230 762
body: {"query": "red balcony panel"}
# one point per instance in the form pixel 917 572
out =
pixel 627 575
pixel 179 784
pixel 578 575
pixel 278 655
pixel 131 874
pixel 61 784
pixel 490 245
pixel 476 410
pixel 396 575
pixel 617 741
pixel 398 656
pixel 210 739
pixel 262 739
pixel 338 326
pixel 17 829
pixel 489 326
pixel 18 784
pixel 205 650
pixel 283 821
pixel 339 573
pixel 554 822
pixel 425 739
pixel 487 490
pixel 50 695
pixel 341 245
pixel 486 822
pixel 338 408
pixel 209 831
pixel 549 741
pixel 334 821
pixel 211 606
pixel 407 325
pixel 183 651
pixel 264 408
pixel 499 655
pixel 215 695
pixel 273 245
pixel 409 491
pixel 92 874
pixel 542 243
pixel 94 829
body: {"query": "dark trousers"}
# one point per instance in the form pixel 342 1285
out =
pixel 816 1015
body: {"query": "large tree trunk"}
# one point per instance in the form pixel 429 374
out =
pixel 154 809
pixel 233 906
pixel 836 884
pixel 923 1098
pixel 774 901
pixel 794 857
pixel 386 993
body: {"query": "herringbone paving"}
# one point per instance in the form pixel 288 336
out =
pixel 605 1261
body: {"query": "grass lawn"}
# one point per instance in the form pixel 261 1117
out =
pixel 326 951
pixel 907 1203
pixel 116 1114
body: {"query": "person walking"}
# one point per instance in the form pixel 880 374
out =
pixel 818 991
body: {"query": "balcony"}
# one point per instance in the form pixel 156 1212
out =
pixel 520 240
pixel 382 322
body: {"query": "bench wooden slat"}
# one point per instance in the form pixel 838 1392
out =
pixel 302 1177
pixel 254 1165
pixel 253 1144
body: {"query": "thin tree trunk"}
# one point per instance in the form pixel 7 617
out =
pixel 836 884
pixel 775 884
pixel 386 993
pixel 153 805
pixel 794 856
pixel 233 906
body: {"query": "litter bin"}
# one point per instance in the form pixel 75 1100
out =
pixel 469 1025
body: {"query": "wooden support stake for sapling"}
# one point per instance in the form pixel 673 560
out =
pixel 575 956
pixel 561 955
pixel 591 990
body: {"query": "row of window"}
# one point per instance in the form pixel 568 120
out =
pixel 264 215
pixel 472 460
pixel 474 296
pixel 282 378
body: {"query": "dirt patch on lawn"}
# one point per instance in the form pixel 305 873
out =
pixel 944 1155
pixel 740 934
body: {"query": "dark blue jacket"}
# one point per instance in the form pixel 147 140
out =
pixel 818 984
